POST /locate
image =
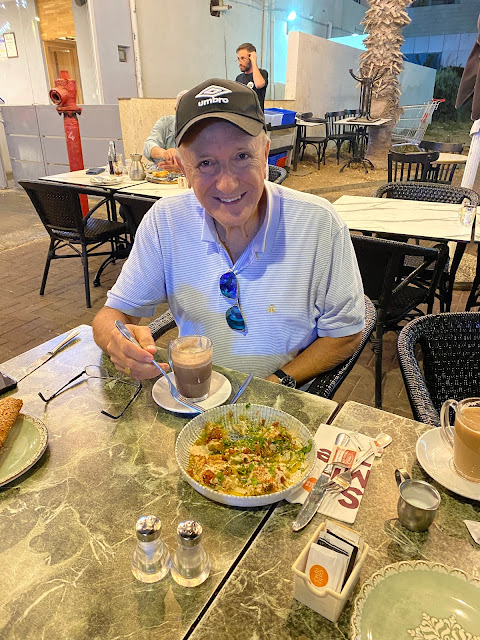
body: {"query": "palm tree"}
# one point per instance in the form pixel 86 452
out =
pixel 383 22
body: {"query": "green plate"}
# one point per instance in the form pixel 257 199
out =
pixel 24 445
pixel 420 600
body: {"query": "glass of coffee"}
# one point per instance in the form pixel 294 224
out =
pixel 464 436
pixel 190 358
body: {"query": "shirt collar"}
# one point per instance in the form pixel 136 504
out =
pixel 264 239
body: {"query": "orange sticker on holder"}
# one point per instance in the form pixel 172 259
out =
pixel 308 484
pixel 318 575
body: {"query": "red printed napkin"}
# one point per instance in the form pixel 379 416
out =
pixel 342 506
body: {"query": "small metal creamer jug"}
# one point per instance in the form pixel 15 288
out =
pixel 418 502
pixel 137 172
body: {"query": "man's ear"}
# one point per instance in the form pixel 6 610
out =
pixel 179 162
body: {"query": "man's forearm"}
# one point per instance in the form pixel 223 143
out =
pixel 104 323
pixel 157 153
pixel 258 79
pixel 322 355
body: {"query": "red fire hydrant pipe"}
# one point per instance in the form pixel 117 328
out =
pixel 64 95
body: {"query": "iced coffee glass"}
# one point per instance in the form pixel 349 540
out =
pixel 191 360
pixel 464 436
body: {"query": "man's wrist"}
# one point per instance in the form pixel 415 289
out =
pixel 285 379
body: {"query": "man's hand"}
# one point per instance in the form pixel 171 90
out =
pixel 127 356
pixel 169 162
pixel 253 58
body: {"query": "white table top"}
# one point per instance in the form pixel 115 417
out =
pixel 81 178
pixel 450 158
pixel 429 220
pixel 153 190
pixel 351 120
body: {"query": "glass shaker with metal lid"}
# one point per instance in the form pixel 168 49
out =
pixel 151 559
pixel 191 565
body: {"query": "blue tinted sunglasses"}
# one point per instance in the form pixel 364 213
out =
pixel 229 289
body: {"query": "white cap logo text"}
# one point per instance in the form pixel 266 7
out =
pixel 212 95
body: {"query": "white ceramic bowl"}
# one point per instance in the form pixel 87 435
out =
pixel 192 430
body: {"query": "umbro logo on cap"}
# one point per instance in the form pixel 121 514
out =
pixel 212 94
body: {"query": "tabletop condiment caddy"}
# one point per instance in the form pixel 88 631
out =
pixel 151 562
pixel 328 568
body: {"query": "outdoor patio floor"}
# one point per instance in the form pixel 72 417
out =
pixel 28 319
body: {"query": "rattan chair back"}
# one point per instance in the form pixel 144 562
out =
pixel 57 205
pixel 428 192
pixel 132 209
pixel 450 356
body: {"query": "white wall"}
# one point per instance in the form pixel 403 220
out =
pixel 182 44
pixel 318 78
pixel 23 80
pixel 85 53
pixel 111 27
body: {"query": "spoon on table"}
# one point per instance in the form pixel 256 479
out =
pixel 173 389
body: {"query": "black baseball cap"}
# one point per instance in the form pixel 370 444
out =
pixel 224 99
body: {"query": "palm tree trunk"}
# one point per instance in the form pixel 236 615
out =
pixel 384 21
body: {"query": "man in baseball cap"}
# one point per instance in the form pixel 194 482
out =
pixel 267 273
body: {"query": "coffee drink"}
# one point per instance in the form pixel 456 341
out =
pixel 464 437
pixel 191 361
pixel 466 443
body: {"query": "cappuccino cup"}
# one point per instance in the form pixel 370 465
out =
pixel 190 358
pixel 464 436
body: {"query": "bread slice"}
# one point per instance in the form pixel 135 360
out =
pixel 9 410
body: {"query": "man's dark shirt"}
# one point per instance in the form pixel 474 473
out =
pixel 247 78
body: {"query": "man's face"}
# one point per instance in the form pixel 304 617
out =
pixel 244 62
pixel 226 168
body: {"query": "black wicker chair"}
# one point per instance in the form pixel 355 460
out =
pixel 396 298
pixel 450 346
pixel 408 167
pixel 324 385
pixel 433 192
pixel 276 174
pixel 442 173
pixel 132 209
pixel 59 208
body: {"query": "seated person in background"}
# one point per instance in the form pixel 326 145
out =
pixel 267 273
pixel 252 76
pixel 159 147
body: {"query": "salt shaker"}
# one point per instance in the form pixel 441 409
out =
pixel 151 559
pixel 191 565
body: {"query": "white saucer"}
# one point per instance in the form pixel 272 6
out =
pixel 220 390
pixel 437 460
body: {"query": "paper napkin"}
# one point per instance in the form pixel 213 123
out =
pixel 342 506
pixel 474 529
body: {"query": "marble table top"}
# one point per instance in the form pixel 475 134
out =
pixel 258 602
pixel 413 218
pixel 67 525
pixel 80 177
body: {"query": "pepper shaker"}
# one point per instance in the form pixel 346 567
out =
pixel 151 558
pixel 191 565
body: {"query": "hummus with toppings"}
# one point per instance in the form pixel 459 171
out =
pixel 252 459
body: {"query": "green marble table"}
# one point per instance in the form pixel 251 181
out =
pixel 257 600
pixel 67 525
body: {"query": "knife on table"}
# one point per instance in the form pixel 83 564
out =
pixel 310 506
pixel 49 354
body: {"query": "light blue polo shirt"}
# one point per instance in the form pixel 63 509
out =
pixel 298 278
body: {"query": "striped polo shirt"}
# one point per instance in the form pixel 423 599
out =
pixel 298 278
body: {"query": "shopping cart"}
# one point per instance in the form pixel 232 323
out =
pixel 413 123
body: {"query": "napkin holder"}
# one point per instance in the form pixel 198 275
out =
pixel 326 602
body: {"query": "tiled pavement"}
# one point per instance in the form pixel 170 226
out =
pixel 28 319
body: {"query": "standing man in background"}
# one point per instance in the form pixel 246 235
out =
pixel 252 76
